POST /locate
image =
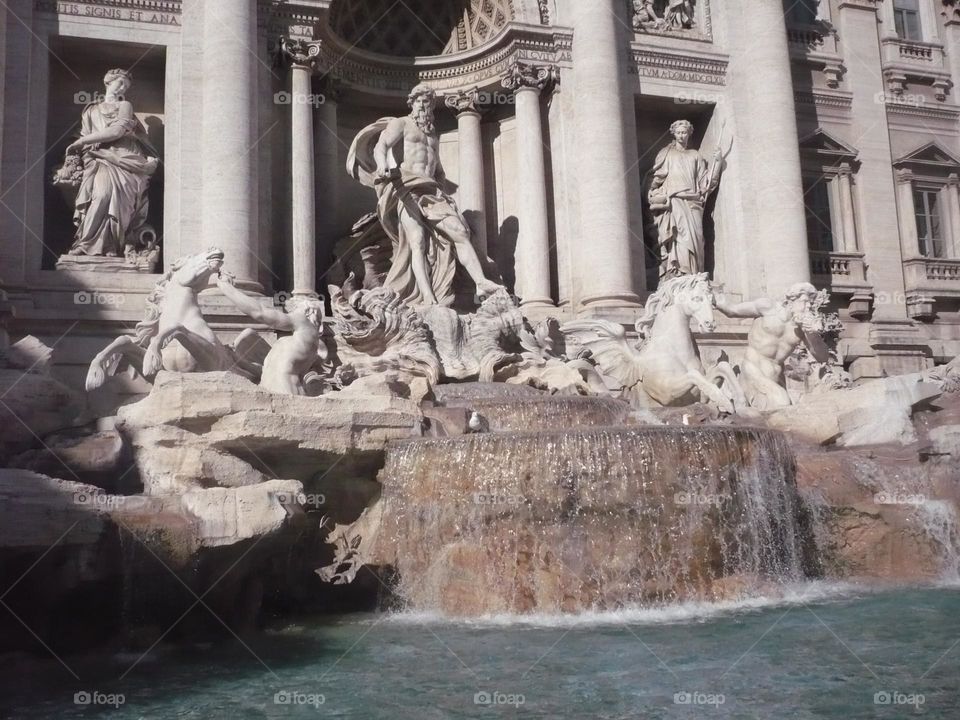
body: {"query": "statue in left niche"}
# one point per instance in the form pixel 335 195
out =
pixel 110 166
pixel 173 334
pixel 400 159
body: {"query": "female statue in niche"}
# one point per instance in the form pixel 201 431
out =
pixel 112 162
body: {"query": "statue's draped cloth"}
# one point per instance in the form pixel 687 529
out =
pixel 111 203
pixel 681 179
pixel 416 196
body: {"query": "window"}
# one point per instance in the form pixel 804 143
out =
pixel 926 203
pixel 818 203
pixel 906 15
pixel 804 12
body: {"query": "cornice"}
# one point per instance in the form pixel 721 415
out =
pixel 678 66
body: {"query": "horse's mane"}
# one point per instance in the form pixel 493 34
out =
pixel 664 297
pixel 147 328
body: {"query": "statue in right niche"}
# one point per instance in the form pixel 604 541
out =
pixel 679 184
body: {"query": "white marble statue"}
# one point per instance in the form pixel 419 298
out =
pixel 377 333
pixel 665 367
pixel 779 327
pixel 292 357
pixel 399 158
pixel 679 184
pixel 173 334
pixel 111 164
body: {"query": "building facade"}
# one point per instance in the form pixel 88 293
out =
pixel 839 120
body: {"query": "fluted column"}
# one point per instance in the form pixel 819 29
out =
pixel 471 195
pixel 763 103
pixel 329 168
pixel 229 128
pixel 847 210
pixel 953 205
pixel 301 56
pixel 910 243
pixel 533 241
pixel 605 165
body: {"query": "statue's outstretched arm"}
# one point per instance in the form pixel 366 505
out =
pixel 277 319
pixel 749 309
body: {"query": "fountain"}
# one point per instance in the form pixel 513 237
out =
pixel 564 520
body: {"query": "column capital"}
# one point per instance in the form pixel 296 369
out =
pixel 523 76
pixel 953 180
pixel 467 101
pixel 845 169
pixel 299 53
pixel 905 176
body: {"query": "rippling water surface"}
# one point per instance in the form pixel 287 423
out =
pixel 819 652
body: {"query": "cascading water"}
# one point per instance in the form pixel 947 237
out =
pixel 939 522
pixel 598 518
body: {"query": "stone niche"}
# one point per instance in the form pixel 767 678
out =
pixel 77 67
pixel 654 115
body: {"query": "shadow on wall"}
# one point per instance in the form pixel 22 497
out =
pixel 505 251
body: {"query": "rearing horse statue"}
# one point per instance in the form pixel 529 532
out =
pixel 173 334
pixel 664 368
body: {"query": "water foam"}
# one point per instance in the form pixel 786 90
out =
pixel 797 594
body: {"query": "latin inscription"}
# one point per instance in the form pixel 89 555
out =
pixel 74 9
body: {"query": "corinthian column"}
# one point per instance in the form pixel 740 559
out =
pixel 533 242
pixel 606 162
pixel 228 127
pixel 471 195
pixel 303 185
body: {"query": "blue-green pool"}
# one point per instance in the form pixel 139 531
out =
pixel 822 653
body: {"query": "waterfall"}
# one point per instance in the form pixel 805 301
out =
pixel 592 518
pixel 938 519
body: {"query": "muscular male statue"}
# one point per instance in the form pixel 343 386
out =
pixel 399 158
pixel 292 356
pixel 779 328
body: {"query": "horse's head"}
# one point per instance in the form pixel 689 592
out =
pixel 195 270
pixel 693 294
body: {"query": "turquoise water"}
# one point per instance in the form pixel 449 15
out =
pixel 822 653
